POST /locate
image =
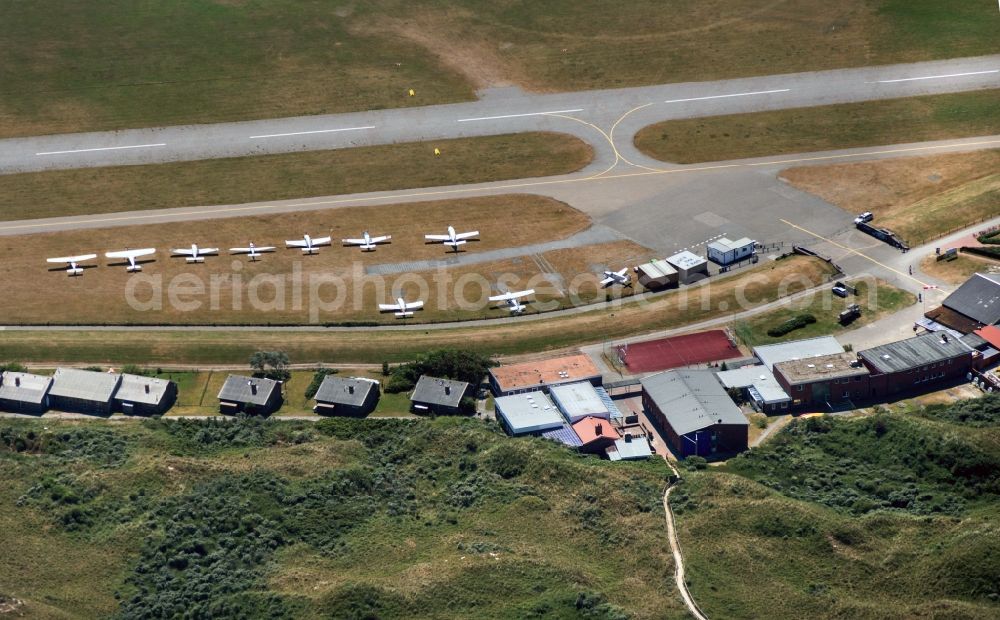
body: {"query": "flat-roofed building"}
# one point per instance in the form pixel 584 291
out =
pixel 657 274
pixel 771 354
pixel 629 448
pixel 543 374
pixel 21 392
pixel 438 396
pixel 825 380
pixel 694 413
pixel 83 391
pixel 690 267
pixel 725 251
pixel 139 395
pixel 580 400
pixel 528 413
pixel 758 386
pixel 918 364
pixel 251 395
pixel 350 396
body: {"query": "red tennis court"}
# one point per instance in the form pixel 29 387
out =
pixel 665 353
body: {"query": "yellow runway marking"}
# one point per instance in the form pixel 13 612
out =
pixel 492 189
pixel 853 251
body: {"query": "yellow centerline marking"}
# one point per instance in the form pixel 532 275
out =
pixel 853 251
pixel 490 189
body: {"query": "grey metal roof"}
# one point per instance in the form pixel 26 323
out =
pixel 692 400
pixel 771 354
pixel 432 390
pixel 913 352
pixel 24 387
pixel 84 384
pixel 725 244
pixel 133 389
pixel 579 400
pixel 238 389
pixel 338 390
pixel 629 448
pixel 529 412
pixel 978 298
pixel 759 378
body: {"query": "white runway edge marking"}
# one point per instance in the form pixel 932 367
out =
pixel 937 77
pixel 302 133
pixel 758 92
pixel 493 118
pixel 104 148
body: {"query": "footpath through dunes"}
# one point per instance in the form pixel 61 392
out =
pixel 237 180
pixel 742 291
pixel 531 233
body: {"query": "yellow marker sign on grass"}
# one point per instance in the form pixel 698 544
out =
pixel 437 151
pixel 412 93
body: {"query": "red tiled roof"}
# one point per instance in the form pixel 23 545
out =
pixel 591 428
pixel 991 334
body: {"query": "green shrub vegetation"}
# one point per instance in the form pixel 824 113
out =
pixel 444 518
pixel 796 322
pixel 317 380
pixel 887 515
pixel 463 365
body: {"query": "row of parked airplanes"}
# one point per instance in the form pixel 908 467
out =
pixel 310 245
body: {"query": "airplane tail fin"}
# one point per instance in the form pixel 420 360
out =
pixel 403 315
pixel 133 268
pixel 195 259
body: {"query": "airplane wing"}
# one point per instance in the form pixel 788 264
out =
pixel 185 252
pixel 623 271
pixel 354 241
pixel 322 241
pixel 264 248
pixel 415 305
pixel 208 250
pixel 389 307
pixel 515 295
pixel 71 259
pixel 301 243
pixel 467 235
pixel 606 281
pixel 130 253
pixel 437 237
pixel 381 239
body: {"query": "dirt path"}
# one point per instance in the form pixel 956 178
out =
pixel 675 549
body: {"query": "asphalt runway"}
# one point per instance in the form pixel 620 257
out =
pixel 606 119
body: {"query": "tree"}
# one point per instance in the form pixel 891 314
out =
pixel 459 365
pixel 385 369
pixel 271 365
pixel 317 380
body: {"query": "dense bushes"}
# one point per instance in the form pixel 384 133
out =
pixel 979 412
pixel 102 446
pixel 796 322
pixel 881 462
pixel 317 380
pixel 463 365
pixel 194 436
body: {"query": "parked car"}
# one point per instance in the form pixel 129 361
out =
pixel 840 289
pixel 864 218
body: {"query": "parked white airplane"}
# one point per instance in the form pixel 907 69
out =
pixel 73 262
pixel 368 242
pixel 253 251
pixel 308 244
pixel 511 300
pixel 453 238
pixel 617 277
pixel 194 254
pixel 130 256
pixel 401 307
